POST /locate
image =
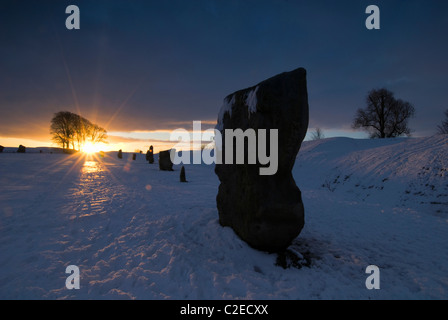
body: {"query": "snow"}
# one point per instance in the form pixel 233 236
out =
pixel 225 108
pixel 251 101
pixel 138 233
pixel 229 101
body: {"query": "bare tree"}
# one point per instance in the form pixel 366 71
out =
pixel 61 128
pixel 384 116
pixel 97 134
pixel 443 128
pixel 317 134
pixel 81 126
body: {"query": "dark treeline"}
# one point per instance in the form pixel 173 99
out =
pixel 70 130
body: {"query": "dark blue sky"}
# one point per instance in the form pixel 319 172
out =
pixel 147 65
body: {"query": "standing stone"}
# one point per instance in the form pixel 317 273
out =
pixel 150 155
pixel 266 211
pixel 134 156
pixel 165 161
pixel 120 154
pixel 1 149
pixel 182 175
pixel 21 149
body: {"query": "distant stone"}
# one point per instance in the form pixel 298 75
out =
pixel 150 155
pixel 182 175
pixel 266 211
pixel 134 156
pixel 165 161
pixel 120 154
pixel 21 149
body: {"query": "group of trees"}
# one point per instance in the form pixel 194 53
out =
pixel 385 116
pixel 70 130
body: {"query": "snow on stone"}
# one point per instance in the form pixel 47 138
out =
pixel 225 108
pixel 251 101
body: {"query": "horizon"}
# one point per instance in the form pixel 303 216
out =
pixel 171 144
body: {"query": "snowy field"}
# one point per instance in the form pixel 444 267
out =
pixel 138 233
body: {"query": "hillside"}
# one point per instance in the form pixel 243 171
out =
pixel 400 172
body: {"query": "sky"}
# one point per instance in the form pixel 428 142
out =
pixel 142 68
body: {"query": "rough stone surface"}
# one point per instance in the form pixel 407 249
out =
pixel 165 161
pixel 266 211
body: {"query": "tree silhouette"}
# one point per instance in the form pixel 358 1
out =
pixel 68 129
pixel 97 134
pixel 384 116
pixel 317 134
pixel 61 128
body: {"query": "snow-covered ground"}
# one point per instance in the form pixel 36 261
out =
pixel 137 232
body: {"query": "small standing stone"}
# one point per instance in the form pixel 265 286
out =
pixel 21 149
pixel 150 155
pixel 120 154
pixel 182 175
pixel 134 156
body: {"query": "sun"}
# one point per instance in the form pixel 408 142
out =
pixel 90 148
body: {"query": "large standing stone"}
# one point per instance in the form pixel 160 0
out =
pixel 266 211
pixel 165 161
pixel 1 149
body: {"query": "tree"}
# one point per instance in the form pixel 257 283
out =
pixel 97 134
pixel 68 128
pixel 443 128
pixel 317 134
pixel 384 116
pixel 82 127
pixel 61 128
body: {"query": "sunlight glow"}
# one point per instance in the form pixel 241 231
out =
pixel 90 148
